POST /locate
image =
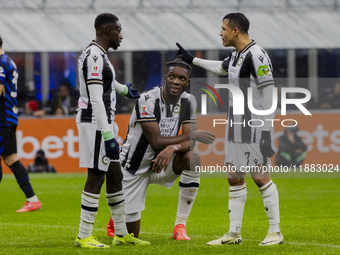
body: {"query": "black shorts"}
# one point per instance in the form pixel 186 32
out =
pixel 9 140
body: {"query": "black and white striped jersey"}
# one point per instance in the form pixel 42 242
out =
pixel 251 67
pixel 94 67
pixel 136 153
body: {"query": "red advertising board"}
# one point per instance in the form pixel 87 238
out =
pixel 59 139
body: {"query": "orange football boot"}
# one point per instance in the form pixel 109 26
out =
pixel 30 206
pixel 180 233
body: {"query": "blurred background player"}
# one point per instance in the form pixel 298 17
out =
pixel 154 153
pixel 292 150
pixel 245 146
pixel 8 126
pixel 98 147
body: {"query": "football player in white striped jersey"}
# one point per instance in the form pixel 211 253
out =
pixel 98 147
pixel 154 152
pixel 248 66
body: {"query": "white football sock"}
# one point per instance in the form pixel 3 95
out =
pixel 116 203
pixel 32 199
pixel 188 186
pixel 237 200
pixel 89 208
pixel 271 204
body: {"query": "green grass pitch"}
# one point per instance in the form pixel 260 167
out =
pixel 309 208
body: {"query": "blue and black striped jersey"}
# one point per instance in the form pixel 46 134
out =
pixel 8 98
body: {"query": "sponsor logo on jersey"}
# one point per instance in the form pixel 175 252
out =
pixel 105 160
pixel 232 70
pixel 82 104
pixel 95 71
pixel 239 62
pixel 176 109
pixel 167 126
pixel 95 58
pixel 147 97
pixel 144 112
pixel 261 58
pixel 262 70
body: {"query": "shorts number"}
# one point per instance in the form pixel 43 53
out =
pixel 247 155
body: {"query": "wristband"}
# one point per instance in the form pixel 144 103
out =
pixel 108 135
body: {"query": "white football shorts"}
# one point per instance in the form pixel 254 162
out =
pixel 243 155
pixel 135 186
pixel 91 146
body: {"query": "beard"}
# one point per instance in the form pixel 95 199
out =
pixel 113 45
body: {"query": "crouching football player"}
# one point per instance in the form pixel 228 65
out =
pixel 153 152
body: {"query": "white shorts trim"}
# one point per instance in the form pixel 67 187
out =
pixel 91 150
pixel 132 217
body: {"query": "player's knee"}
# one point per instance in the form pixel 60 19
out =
pixel 114 173
pixel 235 178
pixel 260 181
pixel 192 160
pixel 235 181
pixel 10 159
pixel 99 180
pixel 118 178
pixel 186 161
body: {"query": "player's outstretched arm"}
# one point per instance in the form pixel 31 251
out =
pixel 202 136
pixel 214 66
pixel 158 143
pixel 184 54
pixel 127 90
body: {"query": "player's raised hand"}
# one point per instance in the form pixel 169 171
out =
pixel 202 136
pixel 132 93
pixel 266 145
pixel 184 54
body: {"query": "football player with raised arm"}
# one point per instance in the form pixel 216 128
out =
pixel 154 152
pixel 248 66
pixel 98 147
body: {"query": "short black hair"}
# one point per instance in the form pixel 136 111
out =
pixel 104 19
pixel 239 20
pixel 178 62
pixel 1 41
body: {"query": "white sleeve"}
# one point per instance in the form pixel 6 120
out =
pixel 96 98
pixel 267 103
pixel 214 66
pixel 121 88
